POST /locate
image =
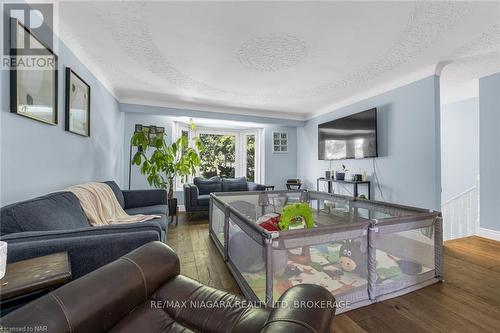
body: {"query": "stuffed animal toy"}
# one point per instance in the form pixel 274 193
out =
pixel 352 259
pixel 296 216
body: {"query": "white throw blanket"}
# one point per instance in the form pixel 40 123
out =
pixel 101 206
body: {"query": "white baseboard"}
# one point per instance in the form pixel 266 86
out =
pixel 488 233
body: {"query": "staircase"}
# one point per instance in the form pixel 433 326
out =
pixel 461 214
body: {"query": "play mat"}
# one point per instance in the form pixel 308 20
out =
pixel 324 269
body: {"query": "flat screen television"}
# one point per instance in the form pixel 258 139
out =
pixel 354 136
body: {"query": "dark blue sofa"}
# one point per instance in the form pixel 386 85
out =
pixel 56 222
pixel 197 194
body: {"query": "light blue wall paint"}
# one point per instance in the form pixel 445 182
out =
pixel 37 158
pixel 408 165
pixel 489 151
pixel 157 110
pixel 459 147
pixel 280 166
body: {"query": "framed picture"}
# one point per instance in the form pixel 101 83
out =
pixel 151 130
pixel 280 142
pixel 77 104
pixel 33 89
pixel 154 131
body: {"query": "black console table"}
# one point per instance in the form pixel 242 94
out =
pixel 350 182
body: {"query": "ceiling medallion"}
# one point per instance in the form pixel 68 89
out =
pixel 272 53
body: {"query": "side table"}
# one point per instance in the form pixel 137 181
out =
pixel 29 279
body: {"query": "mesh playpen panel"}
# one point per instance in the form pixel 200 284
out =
pixel 340 266
pixel 247 255
pixel 273 202
pixel 329 212
pixel 245 204
pixel 405 255
pixel 217 223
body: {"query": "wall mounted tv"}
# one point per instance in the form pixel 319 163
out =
pixel 354 136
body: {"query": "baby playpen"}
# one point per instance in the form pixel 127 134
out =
pixel 362 251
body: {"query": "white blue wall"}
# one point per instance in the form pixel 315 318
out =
pixel 408 142
pixel 489 151
pixel 459 147
pixel 37 158
pixel 280 166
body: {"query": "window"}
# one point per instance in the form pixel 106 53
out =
pixel 280 142
pixel 227 154
pixel 181 130
pixel 219 156
pixel 184 134
pixel 250 158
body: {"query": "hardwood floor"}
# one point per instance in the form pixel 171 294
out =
pixel 468 300
pixel 198 255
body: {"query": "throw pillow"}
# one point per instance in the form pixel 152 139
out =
pixel 234 184
pixel 207 186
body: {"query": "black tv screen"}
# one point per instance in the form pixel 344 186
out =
pixel 354 136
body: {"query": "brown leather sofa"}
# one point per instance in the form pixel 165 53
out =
pixel 144 292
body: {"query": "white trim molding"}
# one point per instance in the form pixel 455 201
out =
pixel 158 101
pixel 489 233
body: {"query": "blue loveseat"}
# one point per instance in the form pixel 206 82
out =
pixel 197 194
pixel 56 222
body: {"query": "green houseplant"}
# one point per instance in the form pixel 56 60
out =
pixel 162 162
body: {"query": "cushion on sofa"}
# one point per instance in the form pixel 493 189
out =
pixel 161 210
pixel 163 220
pixel 54 211
pixel 234 184
pixel 207 186
pixel 204 200
pixel 148 210
pixel 118 193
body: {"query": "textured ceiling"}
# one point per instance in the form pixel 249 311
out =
pixel 276 59
pixel 272 53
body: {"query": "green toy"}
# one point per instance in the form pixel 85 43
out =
pixel 295 216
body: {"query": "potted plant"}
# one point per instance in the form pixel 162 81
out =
pixel 162 162
pixel 340 175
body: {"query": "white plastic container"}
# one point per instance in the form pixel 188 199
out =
pixel 3 258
